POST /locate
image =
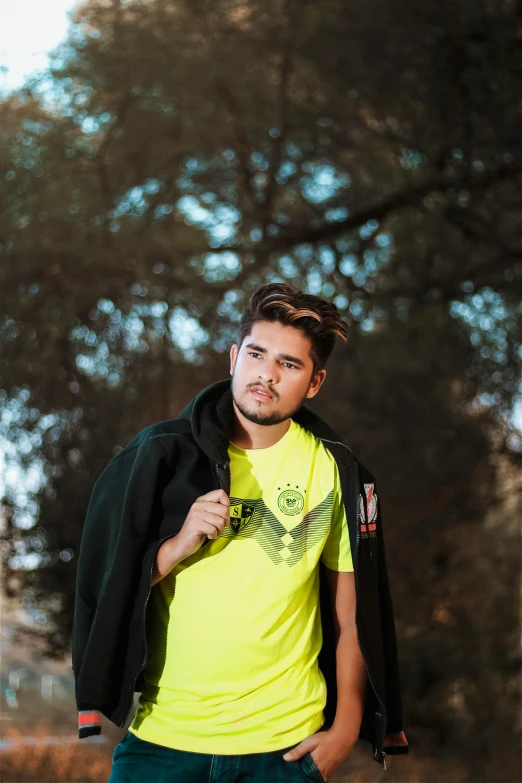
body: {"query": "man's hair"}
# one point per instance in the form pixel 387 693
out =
pixel 315 317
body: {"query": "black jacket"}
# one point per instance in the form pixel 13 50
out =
pixel 143 497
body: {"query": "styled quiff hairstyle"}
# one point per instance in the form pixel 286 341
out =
pixel 315 317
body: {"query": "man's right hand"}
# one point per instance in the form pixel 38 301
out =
pixel 206 518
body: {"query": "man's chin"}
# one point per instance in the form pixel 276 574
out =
pixel 258 416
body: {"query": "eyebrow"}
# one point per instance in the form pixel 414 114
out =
pixel 285 356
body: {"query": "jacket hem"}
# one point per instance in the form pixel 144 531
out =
pixel 89 723
pixel 395 744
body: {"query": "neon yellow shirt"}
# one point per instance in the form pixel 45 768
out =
pixel 235 629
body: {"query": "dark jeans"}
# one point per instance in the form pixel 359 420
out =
pixel 137 761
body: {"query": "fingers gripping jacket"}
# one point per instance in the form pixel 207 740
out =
pixel 89 722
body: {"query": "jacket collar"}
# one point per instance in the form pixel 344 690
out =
pixel 211 416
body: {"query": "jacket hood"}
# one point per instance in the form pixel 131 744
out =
pixel 212 418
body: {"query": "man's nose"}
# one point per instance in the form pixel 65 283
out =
pixel 269 373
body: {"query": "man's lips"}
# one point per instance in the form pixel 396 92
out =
pixel 260 393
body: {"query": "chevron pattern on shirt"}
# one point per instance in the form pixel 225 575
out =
pixel 261 524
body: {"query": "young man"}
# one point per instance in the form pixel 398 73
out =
pixel 267 647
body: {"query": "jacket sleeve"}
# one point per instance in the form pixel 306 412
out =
pixel 118 517
pixel 395 740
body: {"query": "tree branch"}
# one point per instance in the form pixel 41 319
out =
pixel 398 200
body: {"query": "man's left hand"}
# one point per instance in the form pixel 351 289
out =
pixel 330 750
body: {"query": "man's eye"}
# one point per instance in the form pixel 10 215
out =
pixel 292 366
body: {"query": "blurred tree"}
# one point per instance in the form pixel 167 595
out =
pixel 178 155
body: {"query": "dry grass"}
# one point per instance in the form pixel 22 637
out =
pixel 66 762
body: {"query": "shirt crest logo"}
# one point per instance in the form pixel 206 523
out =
pixel 368 526
pixel 240 515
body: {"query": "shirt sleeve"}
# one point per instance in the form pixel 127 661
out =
pixel 337 552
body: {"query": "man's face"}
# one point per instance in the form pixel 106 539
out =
pixel 276 358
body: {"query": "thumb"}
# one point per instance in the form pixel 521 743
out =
pixel 299 750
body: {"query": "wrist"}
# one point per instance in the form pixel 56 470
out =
pixel 171 551
pixel 167 557
pixel 344 734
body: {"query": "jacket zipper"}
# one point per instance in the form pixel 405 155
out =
pixel 358 492
pixel 143 629
pixel 216 466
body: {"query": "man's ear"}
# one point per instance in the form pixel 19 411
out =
pixel 233 357
pixel 316 382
